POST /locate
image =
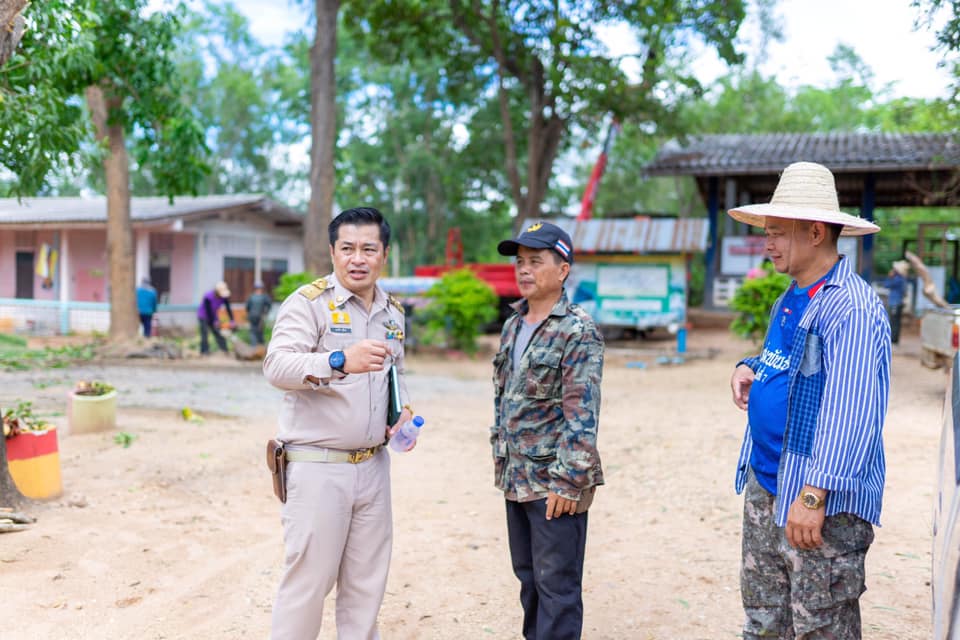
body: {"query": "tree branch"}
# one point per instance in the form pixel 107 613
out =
pixel 11 27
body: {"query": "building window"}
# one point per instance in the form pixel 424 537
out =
pixel 238 273
pixel 270 272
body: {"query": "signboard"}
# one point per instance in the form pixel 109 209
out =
pixel 634 294
pixel 739 254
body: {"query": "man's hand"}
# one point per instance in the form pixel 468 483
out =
pixel 804 525
pixel 558 505
pixel 740 383
pixel 365 356
pixel 392 429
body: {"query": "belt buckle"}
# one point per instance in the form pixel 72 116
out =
pixel 360 455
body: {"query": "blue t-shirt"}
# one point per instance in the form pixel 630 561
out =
pixel 767 408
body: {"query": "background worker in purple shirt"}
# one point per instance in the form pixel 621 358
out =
pixel 208 315
pixel 812 462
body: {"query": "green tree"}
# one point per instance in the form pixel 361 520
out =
pixel 550 58
pixel 460 304
pixel 753 301
pixel 117 58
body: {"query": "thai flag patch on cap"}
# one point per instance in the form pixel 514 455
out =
pixel 562 248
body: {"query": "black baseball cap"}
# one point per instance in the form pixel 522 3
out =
pixel 540 235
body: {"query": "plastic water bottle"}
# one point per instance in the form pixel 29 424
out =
pixel 404 439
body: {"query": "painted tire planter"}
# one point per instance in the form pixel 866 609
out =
pixel 33 459
pixel 89 414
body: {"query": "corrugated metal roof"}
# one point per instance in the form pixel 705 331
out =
pixel 636 235
pixel 741 154
pixel 94 210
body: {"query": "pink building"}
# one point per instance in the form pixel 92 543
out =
pixel 53 256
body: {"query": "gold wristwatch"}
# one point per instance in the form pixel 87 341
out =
pixel 811 500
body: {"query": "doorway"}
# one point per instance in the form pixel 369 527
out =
pixel 24 275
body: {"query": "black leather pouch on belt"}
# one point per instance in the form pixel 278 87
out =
pixel 277 463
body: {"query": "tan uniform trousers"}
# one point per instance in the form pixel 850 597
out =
pixel 337 528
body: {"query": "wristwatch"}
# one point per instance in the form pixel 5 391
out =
pixel 811 500
pixel 337 361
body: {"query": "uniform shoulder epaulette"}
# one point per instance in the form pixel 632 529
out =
pixel 315 288
pixel 395 302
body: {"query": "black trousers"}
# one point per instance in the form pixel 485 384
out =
pixel 256 330
pixel 896 314
pixel 146 321
pixel 206 327
pixel 547 557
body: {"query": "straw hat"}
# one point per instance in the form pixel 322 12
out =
pixel 902 267
pixel 222 289
pixel 806 191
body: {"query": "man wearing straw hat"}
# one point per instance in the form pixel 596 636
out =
pixel 812 463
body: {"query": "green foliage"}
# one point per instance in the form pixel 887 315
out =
pixel 20 419
pixel 753 301
pixel 93 388
pixel 128 52
pixel 15 356
pixel 290 282
pixel 538 70
pixel 460 304
pixel 124 439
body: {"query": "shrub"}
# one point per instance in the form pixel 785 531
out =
pixel 753 301
pixel 460 304
pixel 92 388
pixel 290 282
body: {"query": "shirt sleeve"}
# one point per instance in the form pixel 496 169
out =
pixel 852 406
pixel 291 355
pixel 577 456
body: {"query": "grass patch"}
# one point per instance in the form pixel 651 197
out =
pixel 15 356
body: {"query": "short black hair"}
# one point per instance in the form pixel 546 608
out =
pixel 360 216
pixel 835 231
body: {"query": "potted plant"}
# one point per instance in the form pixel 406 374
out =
pixel 33 457
pixel 92 406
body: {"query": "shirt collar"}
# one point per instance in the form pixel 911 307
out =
pixel 342 294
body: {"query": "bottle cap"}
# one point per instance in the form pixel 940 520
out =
pixel 418 421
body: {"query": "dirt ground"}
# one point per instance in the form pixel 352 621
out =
pixel 178 536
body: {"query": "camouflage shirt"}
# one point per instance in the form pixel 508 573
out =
pixel 546 411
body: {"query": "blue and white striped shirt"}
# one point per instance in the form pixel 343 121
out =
pixel 837 401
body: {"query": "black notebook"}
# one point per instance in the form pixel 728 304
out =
pixel 394 406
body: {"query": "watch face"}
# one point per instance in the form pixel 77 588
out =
pixel 337 359
pixel 810 500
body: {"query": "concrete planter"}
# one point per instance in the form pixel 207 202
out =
pixel 89 414
pixel 33 459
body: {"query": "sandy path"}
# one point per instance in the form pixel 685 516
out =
pixel 178 536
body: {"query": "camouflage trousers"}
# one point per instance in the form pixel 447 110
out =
pixel 796 594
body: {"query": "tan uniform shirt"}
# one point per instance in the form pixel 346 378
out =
pixel 344 412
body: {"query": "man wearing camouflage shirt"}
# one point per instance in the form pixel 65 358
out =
pixel 547 403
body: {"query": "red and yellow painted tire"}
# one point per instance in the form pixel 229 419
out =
pixel 34 462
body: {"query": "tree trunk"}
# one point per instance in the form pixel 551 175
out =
pixel 123 304
pixel 323 124
pixel 11 27
pixel 10 496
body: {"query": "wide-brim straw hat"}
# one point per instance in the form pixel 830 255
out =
pixel 806 191
pixel 902 267
pixel 222 289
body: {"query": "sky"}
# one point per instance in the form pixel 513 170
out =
pixel 880 31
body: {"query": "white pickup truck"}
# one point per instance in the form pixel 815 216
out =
pixel 939 336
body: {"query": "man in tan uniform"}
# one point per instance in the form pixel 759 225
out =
pixel 333 343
